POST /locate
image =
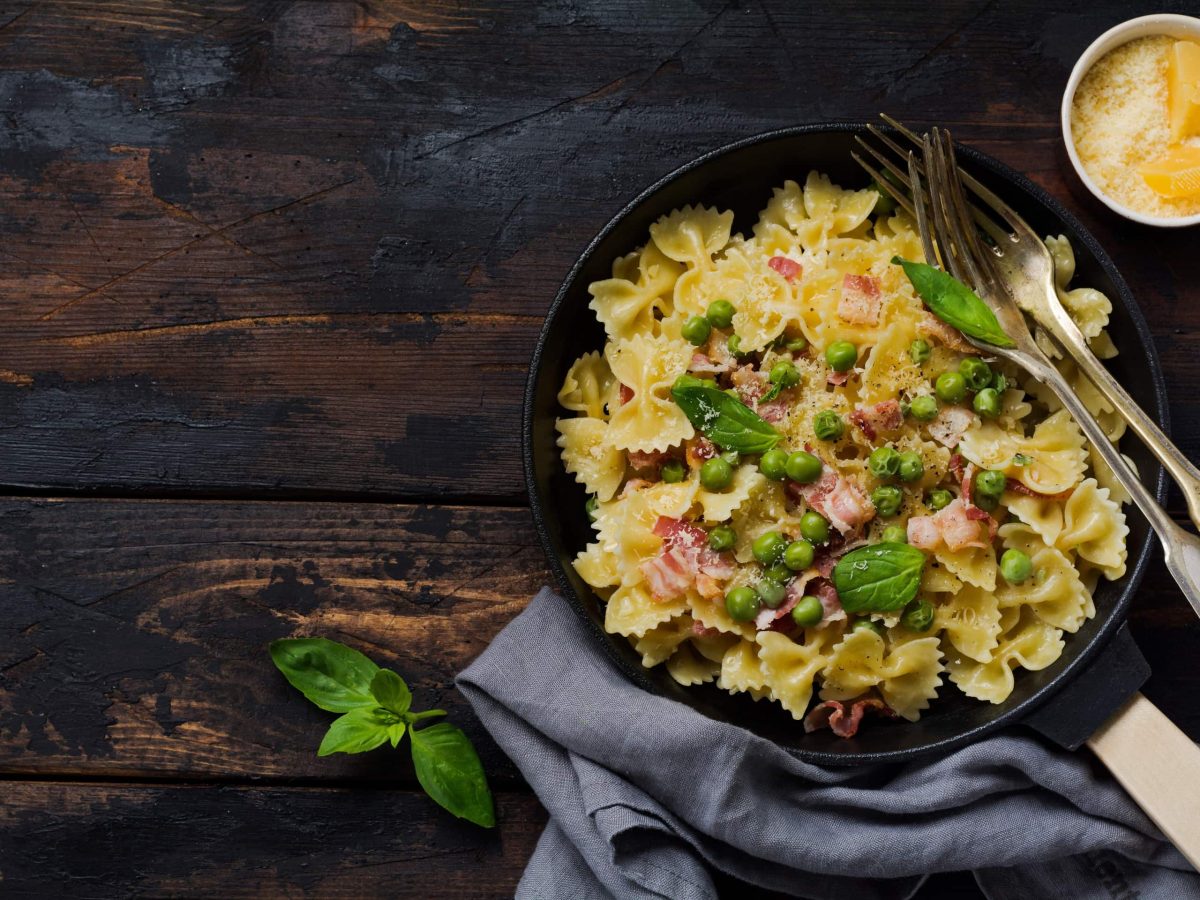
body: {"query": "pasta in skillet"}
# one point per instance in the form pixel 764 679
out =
pixel 776 416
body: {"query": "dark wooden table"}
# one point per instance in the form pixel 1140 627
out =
pixel 270 275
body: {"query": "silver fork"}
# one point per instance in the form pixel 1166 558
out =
pixel 943 214
pixel 1027 269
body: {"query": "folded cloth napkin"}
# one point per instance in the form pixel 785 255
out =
pixel 647 797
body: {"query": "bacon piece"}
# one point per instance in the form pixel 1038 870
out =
pixel 951 424
pixel 626 394
pixel 860 301
pixel 956 465
pixel 968 483
pixel 717 350
pixel 931 326
pixel 750 383
pixel 838 499
pixel 788 268
pixel 832 714
pixel 708 587
pixel 955 526
pixel 701 363
pixel 667 575
pixel 795 591
pixel 775 411
pixel 685 559
pixel 979 515
pixel 831 603
pixel 837 379
pixel 871 420
pixel 698 449
pixel 648 463
pixel 1018 487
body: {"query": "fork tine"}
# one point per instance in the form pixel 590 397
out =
pixel 894 192
pixel 952 257
pixel 922 215
pixel 880 157
pixel 979 261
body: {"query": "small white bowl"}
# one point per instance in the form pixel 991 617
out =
pixel 1172 25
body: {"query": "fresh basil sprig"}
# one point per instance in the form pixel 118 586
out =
pixel 879 577
pixel 726 421
pixel 954 303
pixel 376 706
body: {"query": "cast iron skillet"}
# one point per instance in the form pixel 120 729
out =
pixel 1100 667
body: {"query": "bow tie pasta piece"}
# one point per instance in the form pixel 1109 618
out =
pixel 1027 642
pixel 589 456
pixel 625 526
pixel 936 580
pixel 831 211
pixel 689 668
pixel 632 611
pixel 742 671
pixel 764 300
pixel 970 621
pixel 626 306
pixel 889 371
pixel 659 643
pixel 785 209
pixel 1056 446
pixel 791 666
pixel 769 512
pixel 1055 592
pixel 1097 404
pixel 907 676
pixel 970 565
pixel 1094 527
pixel 718 506
pixel 589 386
pixel 650 419
pixel 1107 480
pixel 598 567
pixel 1043 514
pixel 693 236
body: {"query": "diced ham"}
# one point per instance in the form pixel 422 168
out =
pixel 931 326
pixel 860 301
pixel 832 714
pixel 837 379
pixel 685 559
pixel 871 420
pixel 838 499
pixel 698 449
pixel 956 526
pixel 951 424
pixel 788 268
pixel 626 394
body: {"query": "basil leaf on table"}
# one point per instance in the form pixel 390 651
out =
pixel 450 772
pixel 724 420
pixel 390 691
pixel 331 675
pixel 358 731
pixel 954 303
pixel 878 578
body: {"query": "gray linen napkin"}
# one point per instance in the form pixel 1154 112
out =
pixel 647 797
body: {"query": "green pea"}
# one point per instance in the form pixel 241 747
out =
pixel 742 604
pixel 673 471
pixel 797 344
pixel 808 612
pixel 803 467
pixel 785 373
pixel 768 547
pixel 734 345
pixel 592 507
pixel 895 534
pixel 923 408
pixel 828 425
pixel 987 403
pixel 771 592
pixel 773 464
pixel 990 483
pixel 919 351
pixel 885 204
pixel 912 466
pixel 814 528
pixel 799 555
pixel 940 499
pixel 986 502
pixel 1000 383
pixel 696 330
pixel 867 625
pixel 720 313
pixel 1015 566
pixel 887 499
pixel 975 372
pixel 918 615
pixel 722 538
pixel 841 356
pixel 715 474
pixel 884 462
pixel 778 573
pixel 950 387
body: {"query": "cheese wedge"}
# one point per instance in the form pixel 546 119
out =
pixel 1183 89
pixel 1174 174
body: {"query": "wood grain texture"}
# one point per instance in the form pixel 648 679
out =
pixel 304 248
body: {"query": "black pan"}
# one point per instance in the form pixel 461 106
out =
pixel 1100 667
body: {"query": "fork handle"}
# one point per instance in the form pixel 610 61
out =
pixel 1181 549
pixel 1186 475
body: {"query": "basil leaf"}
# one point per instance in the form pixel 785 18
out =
pixel 878 578
pixel 395 733
pixel 1022 459
pixel 390 690
pixel 357 731
pixel 954 303
pixel 450 772
pixel 774 392
pixel 727 422
pixel 331 675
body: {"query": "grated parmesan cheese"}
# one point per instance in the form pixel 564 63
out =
pixel 1119 121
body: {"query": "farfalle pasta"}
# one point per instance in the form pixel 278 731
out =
pixel 776 418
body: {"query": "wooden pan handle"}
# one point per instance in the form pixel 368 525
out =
pixel 1159 766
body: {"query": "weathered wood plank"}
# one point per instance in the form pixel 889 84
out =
pixel 304 248
pixel 120 840
pixel 133 634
